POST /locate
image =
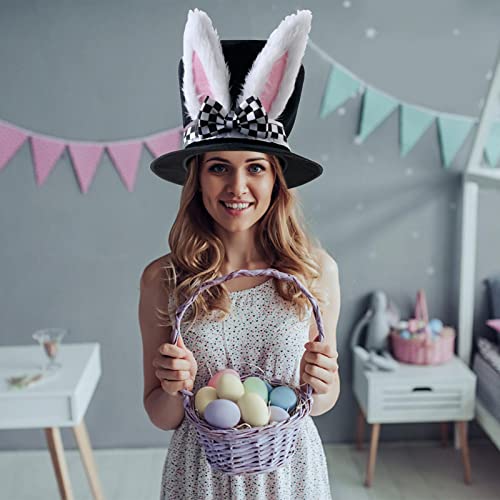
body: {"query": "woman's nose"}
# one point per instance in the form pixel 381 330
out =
pixel 238 184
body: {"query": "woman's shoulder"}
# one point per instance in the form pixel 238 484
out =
pixel 325 261
pixel 155 270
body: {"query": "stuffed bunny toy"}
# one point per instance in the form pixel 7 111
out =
pixel 381 316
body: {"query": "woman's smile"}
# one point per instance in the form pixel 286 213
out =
pixel 236 209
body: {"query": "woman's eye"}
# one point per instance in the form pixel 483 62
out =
pixel 259 167
pixel 213 168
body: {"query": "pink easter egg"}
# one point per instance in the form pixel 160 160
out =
pixel 213 381
pixel 413 325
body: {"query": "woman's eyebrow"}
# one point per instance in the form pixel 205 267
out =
pixel 259 158
pixel 217 158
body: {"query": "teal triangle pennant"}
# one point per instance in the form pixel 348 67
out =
pixel 492 148
pixel 414 123
pixel 376 108
pixel 452 133
pixel 340 87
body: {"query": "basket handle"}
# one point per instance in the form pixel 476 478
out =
pixel 421 306
pixel 247 272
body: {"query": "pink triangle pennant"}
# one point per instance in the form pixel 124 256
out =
pixel 165 142
pixel 125 157
pixel 11 139
pixel 85 157
pixel 494 323
pixel 46 151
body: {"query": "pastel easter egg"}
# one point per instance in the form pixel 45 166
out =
pixel 215 378
pixel 254 410
pixel 229 386
pixel 436 325
pixel 284 397
pixel 405 334
pixel 255 384
pixel 278 414
pixel 222 413
pixel 269 386
pixel 413 325
pixel 204 396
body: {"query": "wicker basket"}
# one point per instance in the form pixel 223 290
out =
pixel 258 449
pixel 424 350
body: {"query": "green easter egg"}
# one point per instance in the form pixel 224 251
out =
pixel 255 384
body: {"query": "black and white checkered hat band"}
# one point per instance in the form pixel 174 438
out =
pixel 248 120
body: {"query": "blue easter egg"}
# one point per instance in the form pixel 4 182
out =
pixel 436 325
pixel 284 397
pixel 222 413
pixel 405 334
pixel 269 386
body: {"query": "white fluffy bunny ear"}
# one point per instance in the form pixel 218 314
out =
pixel 205 70
pixel 274 71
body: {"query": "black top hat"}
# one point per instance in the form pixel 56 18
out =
pixel 240 95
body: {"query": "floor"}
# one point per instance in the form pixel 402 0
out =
pixel 422 471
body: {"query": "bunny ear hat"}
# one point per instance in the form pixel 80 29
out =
pixel 240 95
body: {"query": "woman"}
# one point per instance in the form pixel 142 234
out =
pixel 237 212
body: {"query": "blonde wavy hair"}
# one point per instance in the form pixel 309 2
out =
pixel 197 253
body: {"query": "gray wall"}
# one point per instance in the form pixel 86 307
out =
pixel 99 70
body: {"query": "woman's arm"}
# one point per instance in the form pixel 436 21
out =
pixel 164 410
pixel 319 363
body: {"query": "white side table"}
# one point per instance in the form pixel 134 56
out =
pixel 60 401
pixel 414 393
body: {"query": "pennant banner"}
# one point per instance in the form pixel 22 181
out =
pixel 452 134
pixel 493 145
pixel 376 108
pixel 11 139
pixel 85 159
pixel 340 87
pixel 125 157
pixel 45 152
pixel 85 156
pixel 413 123
pixel 164 142
pixel 414 120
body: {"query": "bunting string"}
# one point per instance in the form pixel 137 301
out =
pixel 85 156
pixel 377 105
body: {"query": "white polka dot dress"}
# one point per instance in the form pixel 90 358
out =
pixel 261 330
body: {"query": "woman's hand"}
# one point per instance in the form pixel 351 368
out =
pixel 318 366
pixel 176 367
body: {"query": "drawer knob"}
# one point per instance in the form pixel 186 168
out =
pixel 422 389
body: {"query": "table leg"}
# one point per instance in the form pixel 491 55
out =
pixel 462 433
pixel 54 442
pixel 373 454
pixel 360 429
pixel 444 434
pixel 82 439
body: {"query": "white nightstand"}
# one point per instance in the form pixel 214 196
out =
pixel 414 393
pixel 60 401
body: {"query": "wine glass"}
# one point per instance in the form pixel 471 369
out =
pixel 50 339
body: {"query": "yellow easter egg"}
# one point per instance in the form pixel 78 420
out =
pixel 204 396
pixel 229 387
pixel 254 410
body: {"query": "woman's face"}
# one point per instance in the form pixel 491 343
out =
pixel 236 187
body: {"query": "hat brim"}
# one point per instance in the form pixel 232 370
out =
pixel 297 170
